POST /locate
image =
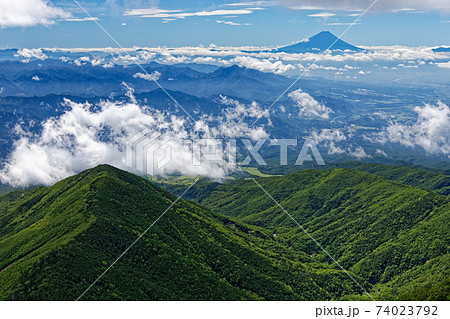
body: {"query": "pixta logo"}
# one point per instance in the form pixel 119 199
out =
pixel 151 153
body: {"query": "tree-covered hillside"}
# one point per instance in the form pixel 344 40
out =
pixel 393 238
pixel 54 242
pixel 418 176
pixel 388 233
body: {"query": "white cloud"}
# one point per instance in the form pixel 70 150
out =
pixel 322 15
pixel 81 19
pixel 445 65
pixel 262 65
pixel 168 58
pixel 359 153
pixel 231 23
pixel 149 11
pixel 329 137
pixel 431 131
pixel 343 23
pixel 234 121
pixel 262 54
pixel 108 65
pixel 154 76
pixel 322 67
pixel 179 14
pixel 381 152
pixel 337 142
pixel 82 61
pixel 247 3
pixel 30 53
pixel 308 106
pixel 352 5
pixel 86 136
pixel 142 57
pixel 207 59
pixel 27 13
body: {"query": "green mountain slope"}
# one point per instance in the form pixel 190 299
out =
pixel 55 241
pixel 422 177
pixel 384 231
pixel 428 180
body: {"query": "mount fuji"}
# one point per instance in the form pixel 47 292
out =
pixel 320 42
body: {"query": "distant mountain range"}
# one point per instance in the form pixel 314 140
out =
pixel 320 42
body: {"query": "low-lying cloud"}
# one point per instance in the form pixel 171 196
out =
pixel 27 54
pixel 154 76
pixel 337 142
pixel 431 131
pixel 88 135
pixel 308 106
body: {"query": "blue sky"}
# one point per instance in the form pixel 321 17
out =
pixel 184 23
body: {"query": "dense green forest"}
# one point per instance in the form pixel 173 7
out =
pixel 418 176
pixel 233 244
pixel 391 234
pixel 56 241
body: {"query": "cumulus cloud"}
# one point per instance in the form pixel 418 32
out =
pixel 85 59
pixel 308 106
pixel 336 142
pixel 154 76
pixel 87 135
pixel 206 60
pixel 142 57
pixel 235 119
pixel 261 58
pixel 27 54
pixel 263 65
pixel 359 153
pixel 27 13
pixel 330 138
pixel 431 131
pixel 168 58
pixel 351 5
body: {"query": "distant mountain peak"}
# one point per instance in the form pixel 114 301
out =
pixel 320 42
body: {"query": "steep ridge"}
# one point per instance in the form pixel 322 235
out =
pixel 55 241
